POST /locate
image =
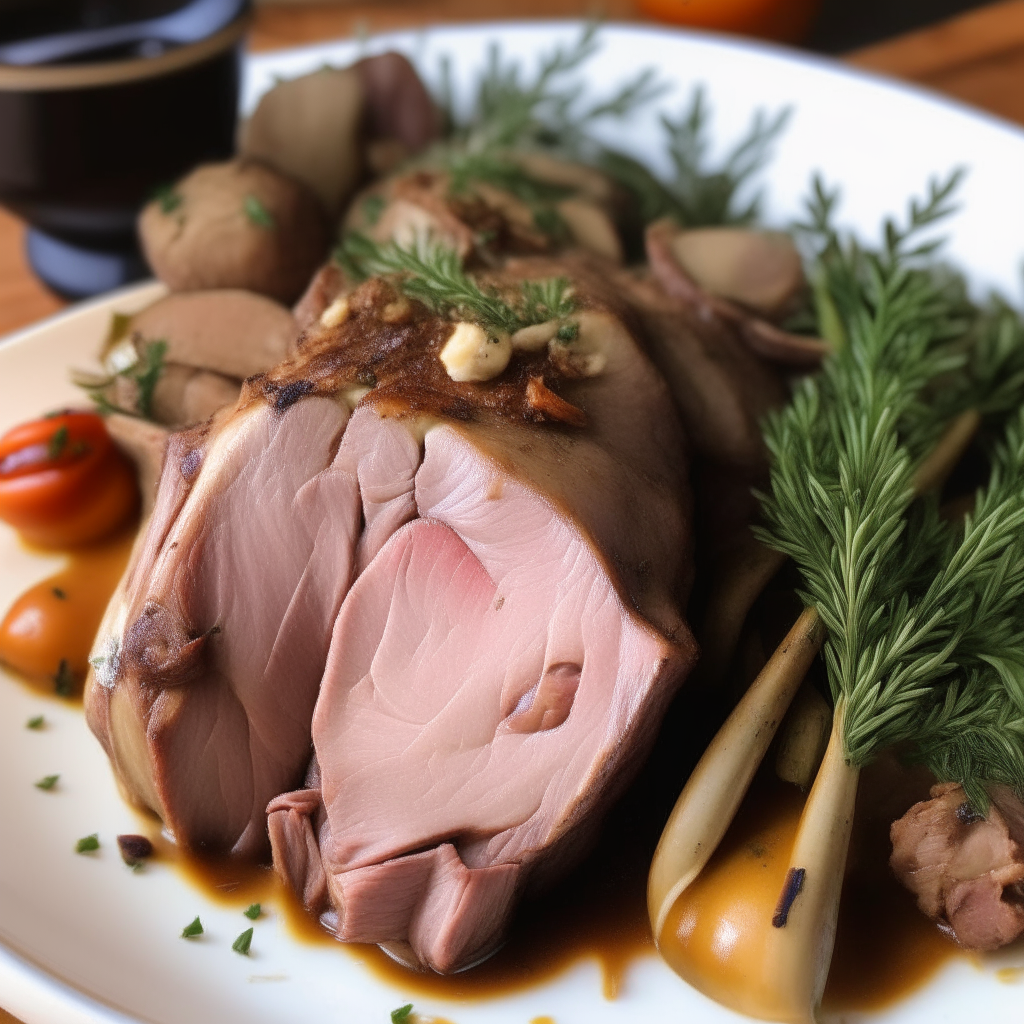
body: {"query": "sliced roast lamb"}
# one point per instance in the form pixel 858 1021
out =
pixel 501 664
pixel 210 660
pixel 206 671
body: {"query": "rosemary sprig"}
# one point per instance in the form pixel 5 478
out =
pixel 542 197
pixel 514 110
pixel 146 374
pixel 973 732
pixel 843 457
pixel 433 274
pixel 701 192
pixel 546 111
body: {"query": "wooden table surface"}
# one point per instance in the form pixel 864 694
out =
pixel 977 57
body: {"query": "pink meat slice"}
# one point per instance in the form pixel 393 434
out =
pixel 216 660
pixel 488 692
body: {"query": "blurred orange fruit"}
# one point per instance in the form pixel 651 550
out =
pixel 783 20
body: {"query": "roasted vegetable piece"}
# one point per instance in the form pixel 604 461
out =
pixel 62 481
pixel 144 443
pixel 310 128
pixel 325 127
pixel 398 108
pixel 227 330
pixel 710 283
pixel 239 224
pixel 758 269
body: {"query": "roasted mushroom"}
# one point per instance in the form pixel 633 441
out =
pixel 239 224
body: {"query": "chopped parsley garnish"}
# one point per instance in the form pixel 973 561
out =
pixel 48 782
pixel 254 910
pixel 168 199
pixel 243 942
pixel 89 844
pixel 373 207
pixel 64 680
pixel 58 442
pixel 35 723
pixel 190 931
pixel 59 594
pixel 568 332
pixel 402 1014
pixel 257 213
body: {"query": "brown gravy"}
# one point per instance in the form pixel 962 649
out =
pixel 885 949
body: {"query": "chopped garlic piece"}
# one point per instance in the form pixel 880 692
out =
pixel 535 337
pixel 397 312
pixel 471 354
pixel 336 313
pixel 582 356
pixel 352 396
pixel 123 356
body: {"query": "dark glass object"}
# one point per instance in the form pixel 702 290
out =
pixel 86 140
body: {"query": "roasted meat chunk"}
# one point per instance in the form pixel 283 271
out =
pixel 966 870
pixel 507 560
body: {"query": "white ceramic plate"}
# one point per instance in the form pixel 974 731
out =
pixel 82 939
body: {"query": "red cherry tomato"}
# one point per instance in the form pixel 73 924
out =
pixel 783 20
pixel 63 482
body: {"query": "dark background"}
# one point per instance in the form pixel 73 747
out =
pixel 847 24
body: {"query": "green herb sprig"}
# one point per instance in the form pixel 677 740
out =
pixel 974 731
pixel 57 443
pixel 512 109
pixel 145 374
pixel 503 172
pixel 433 274
pixel 701 192
pixel 892 585
pixel 168 199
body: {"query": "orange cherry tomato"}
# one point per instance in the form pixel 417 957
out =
pixel 782 20
pixel 63 482
pixel 47 633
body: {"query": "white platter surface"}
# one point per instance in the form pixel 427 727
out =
pixel 85 941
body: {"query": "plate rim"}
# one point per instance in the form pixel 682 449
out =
pixel 30 990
